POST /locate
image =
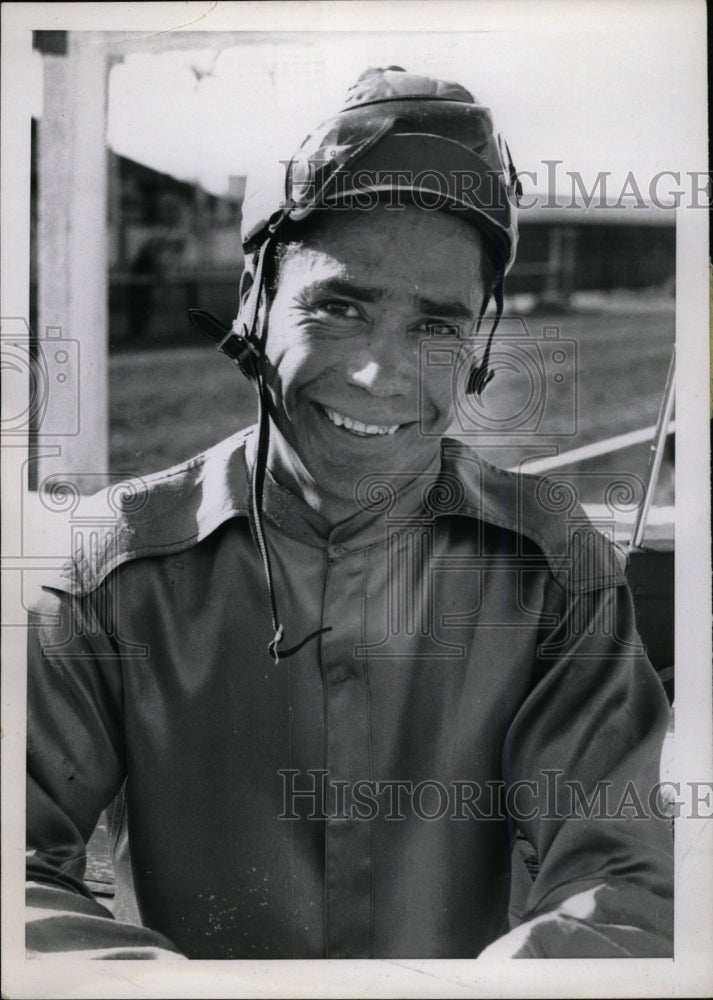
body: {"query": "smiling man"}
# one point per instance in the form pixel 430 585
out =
pixel 348 393
pixel 453 670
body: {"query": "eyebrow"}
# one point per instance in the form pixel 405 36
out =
pixel 450 309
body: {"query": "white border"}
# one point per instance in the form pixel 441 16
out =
pixel 691 973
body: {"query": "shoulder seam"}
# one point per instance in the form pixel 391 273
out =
pixel 133 535
pixel 560 562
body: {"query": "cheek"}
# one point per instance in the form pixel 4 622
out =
pixel 294 363
pixel 437 389
pixel 286 350
pixel 297 356
pixel 444 385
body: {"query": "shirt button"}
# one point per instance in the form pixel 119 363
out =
pixel 335 551
pixel 338 674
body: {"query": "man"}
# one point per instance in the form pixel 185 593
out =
pixel 453 665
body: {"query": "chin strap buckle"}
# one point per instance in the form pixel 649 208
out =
pixel 238 348
pixel 234 345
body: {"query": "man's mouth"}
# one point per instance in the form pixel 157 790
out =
pixel 356 427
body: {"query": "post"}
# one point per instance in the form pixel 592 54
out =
pixel 72 259
pixel 655 455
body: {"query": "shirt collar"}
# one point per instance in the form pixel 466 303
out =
pixel 173 510
pixel 381 496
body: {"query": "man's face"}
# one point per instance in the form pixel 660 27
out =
pixel 353 303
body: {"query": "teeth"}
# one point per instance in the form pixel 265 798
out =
pixel 355 426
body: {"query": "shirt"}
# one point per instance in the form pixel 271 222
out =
pixel 478 677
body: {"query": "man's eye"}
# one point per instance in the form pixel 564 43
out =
pixel 344 310
pixel 444 329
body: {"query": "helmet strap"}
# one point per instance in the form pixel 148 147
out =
pixel 251 334
pixel 244 344
pixel 480 374
pixel 239 341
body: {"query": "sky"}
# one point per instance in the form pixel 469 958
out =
pixel 598 93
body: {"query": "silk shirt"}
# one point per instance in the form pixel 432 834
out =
pixel 479 676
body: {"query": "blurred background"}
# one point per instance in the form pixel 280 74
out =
pixel 182 120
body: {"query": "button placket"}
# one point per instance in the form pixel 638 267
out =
pixel 348 844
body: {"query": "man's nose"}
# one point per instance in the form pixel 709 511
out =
pixel 385 365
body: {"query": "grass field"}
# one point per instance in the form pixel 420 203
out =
pixel 167 405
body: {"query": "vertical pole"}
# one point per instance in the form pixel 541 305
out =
pixel 72 259
pixel 655 455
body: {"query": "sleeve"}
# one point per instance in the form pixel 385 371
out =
pixel 75 767
pixel 581 765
